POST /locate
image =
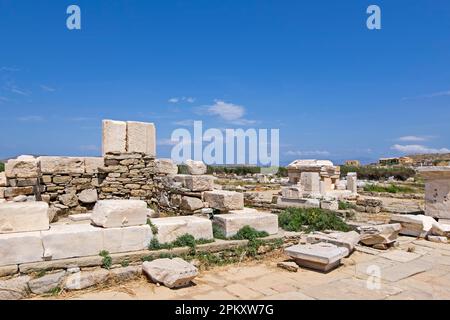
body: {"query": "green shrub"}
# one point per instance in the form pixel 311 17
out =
pixel 153 227
pixel 392 188
pixel 218 233
pixel 344 205
pixel 311 219
pixel 185 240
pixel 379 173
pixel 107 260
pixel 2 166
pixel 249 233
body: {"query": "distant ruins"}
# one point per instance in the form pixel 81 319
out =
pixel 316 183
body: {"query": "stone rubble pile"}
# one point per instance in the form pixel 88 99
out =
pixel 369 205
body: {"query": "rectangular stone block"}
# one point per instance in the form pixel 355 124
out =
pixel 119 213
pixel 165 166
pixel 22 167
pixel 23 217
pixel 230 224
pixel 12 192
pixel 2 179
pixel 319 256
pixel 62 165
pixel 224 200
pixel 23 247
pixel 169 229
pixel 92 164
pixel 141 137
pixel 114 137
pixel 71 241
pixel 310 182
pixel 134 238
pixel 199 182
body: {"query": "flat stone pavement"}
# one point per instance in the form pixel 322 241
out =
pixel 416 269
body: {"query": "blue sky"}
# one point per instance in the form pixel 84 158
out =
pixel 312 69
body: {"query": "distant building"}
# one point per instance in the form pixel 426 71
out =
pixel 401 161
pixel 353 163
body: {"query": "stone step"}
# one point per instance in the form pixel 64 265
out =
pixel 320 256
pixel 224 200
pixel 231 223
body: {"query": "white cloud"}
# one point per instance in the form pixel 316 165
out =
pixel 19 91
pixel 418 149
pixel 413 138
pixel 31 118
pixel 184 123
pixel 228 112
pixel 430 95
pixel 185 99
pixel 307 153
pixel 47 88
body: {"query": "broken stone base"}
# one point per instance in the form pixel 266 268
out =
pixel 173 273
pixel 347 240
pixel 169 229
pixel 320 256
pixel 384 234
pixel 230 224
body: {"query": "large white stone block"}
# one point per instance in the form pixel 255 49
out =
pixel 310 182
pixel 114 137
pixel 437 191
pixel 71 241
pixel 165 166
pixel 22 247
pixel 319 256
pixel 22 167
pixel 23 217
pixel 62 165
pixel 172 273
pixel 196 167
pixel 119 213
pixel 2 179
pixel 127 239
pixel 352 182
pixel 230 224
pixel 224 200
pixel 169 229
pixel 93 163
pixel 199 182
pixel 141 137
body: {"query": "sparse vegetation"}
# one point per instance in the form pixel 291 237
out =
pixel 311 219
pixel 107 260
pixel 125 263
pixel 218 233
pixel 392 188
pixel 153 227
pixel 2 166
pixel 249 233
pixel 185 240
pixel 345 205
pixel 379 173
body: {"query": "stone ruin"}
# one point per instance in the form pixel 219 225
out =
pixel 316 183
pixel 61 212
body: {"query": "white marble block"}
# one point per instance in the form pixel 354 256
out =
pixel 199 182
pixel 119 213
pixel 114 137
pixel 92 164
pixel 231 223
pixel 310 182
pixel 22 247
pixel 141 138
pixel 169 229
pixel 224 200
pixel 165 166
pixel 127 239
pixel 22 167
pixel 62 165
pixel 71 241
pixel 319 256
pixel 23 217
pixel 352 182
pixel 173 273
